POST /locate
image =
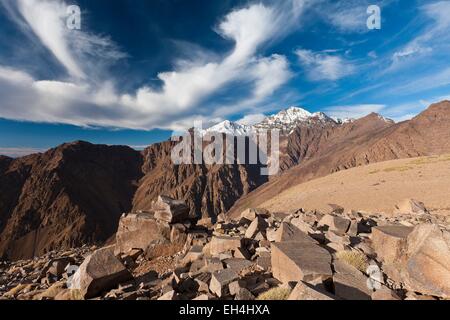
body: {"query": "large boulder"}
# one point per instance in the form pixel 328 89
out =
pixel 296 261
pixel 170 210
pixel 139 231
pixel 427 268
pixel 101 271
pixel 389 242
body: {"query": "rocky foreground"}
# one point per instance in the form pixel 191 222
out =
pixel 163 255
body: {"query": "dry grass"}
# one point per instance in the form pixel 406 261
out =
pixel 275 294
pixel 398 169
pixel 355 259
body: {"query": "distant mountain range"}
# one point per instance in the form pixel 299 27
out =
pixel 286 121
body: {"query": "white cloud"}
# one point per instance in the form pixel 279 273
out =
pixel 270 73
pixel 251 119
pixel 434 38
pixel 19 152
pixel 354 111
pixel 324 66
pixel 183 89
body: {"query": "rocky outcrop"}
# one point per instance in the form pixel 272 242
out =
pixel 65 197
pixel 208 190
pixel 427 266
pixel 101 271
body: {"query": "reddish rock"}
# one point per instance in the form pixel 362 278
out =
pixel 170 210
pixel 139 231
pixel 101 271
pixel 389 242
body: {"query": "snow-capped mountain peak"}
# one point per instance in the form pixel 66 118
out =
pixel 287 120
pixel 229 128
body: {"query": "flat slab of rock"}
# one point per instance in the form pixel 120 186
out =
pixel 170 210
pixel 389 242
pixel 296 261
pixel 138 231
pixel 304 291
pixel 100 271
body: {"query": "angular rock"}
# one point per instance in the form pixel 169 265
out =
pixel 350 283
pixel 202 297
pixel 237 265
pixel 235 286
pixel 427 269
pixel 213 264
pixel 220 244
pixel 244 295
pixel 170 210
pixel 287 232
pixel 302 225
pixel 337 224
pixel 264 263
pixel 139 231
pixel 178 234
pixel 257 225
pixel 389 242
pixel 410 206
pixel 220 281
pixel 251 213
pixel 304 291
pixel 295 261
pixel 169 296
pixel 100 271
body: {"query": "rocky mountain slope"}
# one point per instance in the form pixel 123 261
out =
pixel 207 189
pixel 65 197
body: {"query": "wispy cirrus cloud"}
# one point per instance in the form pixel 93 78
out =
pixel 19 152
pixel 324 65
pixel 353 111
pixel 433 38
pixel 89 97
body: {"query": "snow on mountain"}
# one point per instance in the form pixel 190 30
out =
pixel 229 128
pixel 287 120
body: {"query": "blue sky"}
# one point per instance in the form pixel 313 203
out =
pixel 137 70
